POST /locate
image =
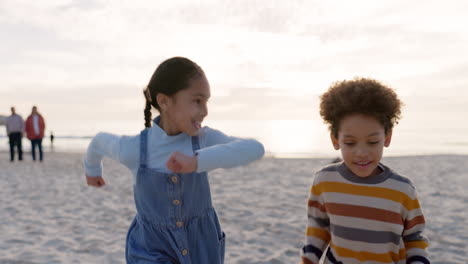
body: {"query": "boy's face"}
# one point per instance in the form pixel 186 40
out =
pixel 361 139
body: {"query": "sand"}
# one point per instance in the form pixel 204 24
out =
pixel 48 214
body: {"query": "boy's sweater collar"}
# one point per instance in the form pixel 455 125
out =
pixel 350 176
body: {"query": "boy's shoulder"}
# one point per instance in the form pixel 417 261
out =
pixel 328 168
pixel 325 171
pixel 396 176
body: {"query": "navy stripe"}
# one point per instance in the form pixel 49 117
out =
pixel 332 258
pixel 349 175
pixel 363 235
pixel 320 221
pixel 312 249
pixel 413 237
pixel 417 258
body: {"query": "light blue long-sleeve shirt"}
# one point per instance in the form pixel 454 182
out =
pixel 217 150
pixel 14 123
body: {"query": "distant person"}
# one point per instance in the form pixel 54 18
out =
pixel 15 128
pixel 35 127
pixel 52 140
pixel 169 160
pixel 361 209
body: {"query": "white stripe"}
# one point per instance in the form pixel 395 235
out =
pixel 312 257
pixel 36 124
pixel 415 229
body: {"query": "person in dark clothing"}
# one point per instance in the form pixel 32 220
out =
pixel 52 140
pixel 15 128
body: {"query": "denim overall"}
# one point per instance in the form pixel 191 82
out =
pixel 175 220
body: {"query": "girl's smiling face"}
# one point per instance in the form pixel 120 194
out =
pixel 184 112
pixel 361 139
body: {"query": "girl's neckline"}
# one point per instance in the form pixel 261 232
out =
pixel 162 132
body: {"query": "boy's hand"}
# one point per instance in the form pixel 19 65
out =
pixel 95 181
pixel 181 163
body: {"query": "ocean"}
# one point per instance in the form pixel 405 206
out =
pixel 430 125
pixel 281 138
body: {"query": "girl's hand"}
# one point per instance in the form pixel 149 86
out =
pixel 95 181
pixel 181 163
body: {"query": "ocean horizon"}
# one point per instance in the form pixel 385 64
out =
pixel 281 138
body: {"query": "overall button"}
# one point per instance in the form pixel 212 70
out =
pixel 176 202
pixel 179 223
pixel 174 179
pixel 184 252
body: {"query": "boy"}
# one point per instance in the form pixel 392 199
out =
pixel 361 209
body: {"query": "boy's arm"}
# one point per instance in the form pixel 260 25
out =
pixel 415 242
pixel 318 228
pixel 222 151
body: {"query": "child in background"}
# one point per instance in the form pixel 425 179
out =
pixel 364 211
pixel 175 220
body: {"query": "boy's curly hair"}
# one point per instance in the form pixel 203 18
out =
pixel 360 96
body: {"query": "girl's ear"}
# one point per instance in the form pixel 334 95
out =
pixel 163 101
pixel 334 141
pixel 388 139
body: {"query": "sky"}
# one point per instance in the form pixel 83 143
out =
pixel 88 60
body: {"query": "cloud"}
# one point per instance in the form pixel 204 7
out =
pixel 263 104
pixel 274 55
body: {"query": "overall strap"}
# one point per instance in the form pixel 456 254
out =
pixel 195 143
pixel 143 147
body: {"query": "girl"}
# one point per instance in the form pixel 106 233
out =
pixel 175 220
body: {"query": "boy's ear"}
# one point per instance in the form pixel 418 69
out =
pixel 334 141
pixel 388 139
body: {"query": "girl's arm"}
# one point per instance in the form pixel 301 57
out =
pixel 103 144
pixel 221 151
pixel 217 151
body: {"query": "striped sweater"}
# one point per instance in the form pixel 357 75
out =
pixel 375 220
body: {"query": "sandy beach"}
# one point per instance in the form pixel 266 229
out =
pixel 49 215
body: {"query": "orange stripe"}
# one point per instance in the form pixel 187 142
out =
pixel 364 212
pixel 377 192
pixel 415 221
pixel 316 205
pixel 389 257
pixel 317 232
pixel 416 244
